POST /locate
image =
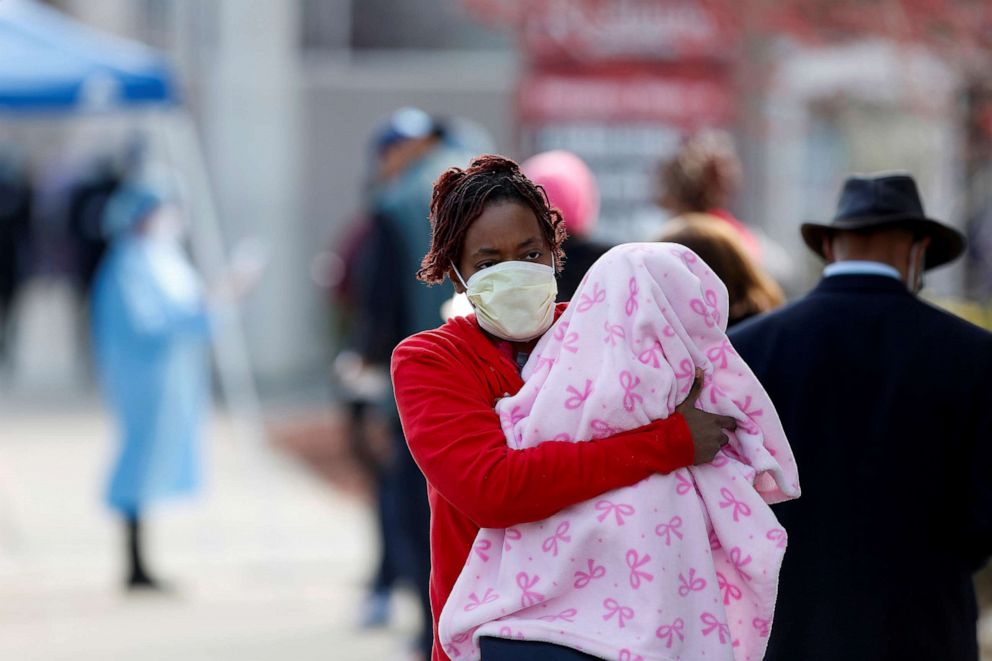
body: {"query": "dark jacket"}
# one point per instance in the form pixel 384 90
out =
pixel 380 315
pixel 887 403
pixel 580 254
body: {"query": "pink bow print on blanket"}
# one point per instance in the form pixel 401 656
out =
pixel 583 578
pixel 652 356
pixel 634 563
pixel 631 305
pixel 474 601
pixel 739 508
pixel 528 597
pixel 623 613
pixel 615 334
pixel 550 544
pixel 629 383
pixel 578 397
pixel 707 308
pixel 666 530
pixel 668 632
pixel 567 615
pixel 618 510
pixel 587 301
pixel 712 624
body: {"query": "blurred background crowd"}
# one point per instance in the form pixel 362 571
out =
pixel 270 164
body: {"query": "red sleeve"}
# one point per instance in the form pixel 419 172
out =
pixel 455 437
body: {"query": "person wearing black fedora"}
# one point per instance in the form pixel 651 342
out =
pixel 887 402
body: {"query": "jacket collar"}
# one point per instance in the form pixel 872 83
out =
pixel 859 283
pixel 465 331
pixel 861 267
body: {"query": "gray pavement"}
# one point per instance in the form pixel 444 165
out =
pixel 268 562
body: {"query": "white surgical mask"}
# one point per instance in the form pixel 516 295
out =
pixel 514 301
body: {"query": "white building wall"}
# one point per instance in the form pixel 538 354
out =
pixel 895 109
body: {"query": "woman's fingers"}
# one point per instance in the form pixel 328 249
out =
pixel 697 386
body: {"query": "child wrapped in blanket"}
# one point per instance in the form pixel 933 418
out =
pixel 678 566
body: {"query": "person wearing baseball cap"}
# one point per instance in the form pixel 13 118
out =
pixel 410 149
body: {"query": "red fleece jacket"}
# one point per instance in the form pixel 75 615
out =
pixel 447 382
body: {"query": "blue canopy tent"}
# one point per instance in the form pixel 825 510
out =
pixel 48 62
pixel 53 66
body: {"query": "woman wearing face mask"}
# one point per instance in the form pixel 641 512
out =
pixel 495 237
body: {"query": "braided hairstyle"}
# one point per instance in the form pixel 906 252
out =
pixel 460 196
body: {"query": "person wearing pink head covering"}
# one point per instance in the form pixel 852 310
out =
pixel 572 188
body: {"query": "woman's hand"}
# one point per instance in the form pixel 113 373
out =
pixel 708 429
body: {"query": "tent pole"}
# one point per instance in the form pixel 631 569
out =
pixel 206 239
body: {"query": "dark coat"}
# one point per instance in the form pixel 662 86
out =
pixel 580 254
pixel 381 315
pixel 887 403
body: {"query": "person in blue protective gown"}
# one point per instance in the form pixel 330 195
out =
pixel 151 329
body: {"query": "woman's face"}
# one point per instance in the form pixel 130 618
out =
pixel 504 232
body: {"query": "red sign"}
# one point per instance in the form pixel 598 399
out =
pixel 618 82
pixel 622 30
pixel 689 102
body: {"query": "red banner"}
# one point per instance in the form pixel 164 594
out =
pixel 688 102
pixel 618 82
pixel 597 31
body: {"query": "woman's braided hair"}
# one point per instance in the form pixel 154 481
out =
pixel 461 195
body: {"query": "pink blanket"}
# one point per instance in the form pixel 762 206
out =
pixel 680 566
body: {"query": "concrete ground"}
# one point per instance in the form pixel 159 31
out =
pixel 268 563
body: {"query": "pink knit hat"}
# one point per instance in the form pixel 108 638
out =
pixel 570 186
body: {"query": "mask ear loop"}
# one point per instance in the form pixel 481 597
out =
pixel 460 279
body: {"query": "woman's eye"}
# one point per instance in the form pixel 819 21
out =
pixel 534 254
pixel 483 265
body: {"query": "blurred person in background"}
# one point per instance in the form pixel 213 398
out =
pixel 572 189
pixel 886 401
pixel 151 328
pixel 698 183
pixel 15 232
pixel 367 339
pixel 751 290
pixel 411 149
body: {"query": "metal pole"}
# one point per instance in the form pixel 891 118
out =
pixel 231 350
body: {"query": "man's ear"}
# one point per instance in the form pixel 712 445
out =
pixel 827 244
pixel 924 243
pixel 455 281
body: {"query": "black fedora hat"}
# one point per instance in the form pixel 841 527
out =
pixel 888 198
